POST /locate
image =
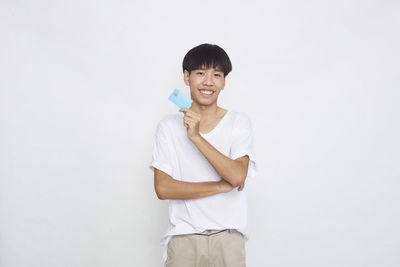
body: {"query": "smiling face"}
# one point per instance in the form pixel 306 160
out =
pixel 205 84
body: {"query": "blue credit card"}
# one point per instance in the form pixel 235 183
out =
pixel 180 99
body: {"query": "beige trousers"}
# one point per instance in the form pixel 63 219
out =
pixel 211 248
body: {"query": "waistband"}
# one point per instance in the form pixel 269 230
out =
pixel 214 232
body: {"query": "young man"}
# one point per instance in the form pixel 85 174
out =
pixel 202 156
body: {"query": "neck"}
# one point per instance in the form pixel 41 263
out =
pixel 205 111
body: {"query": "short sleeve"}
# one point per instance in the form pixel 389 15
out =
pixel 243 142
pixel 161 157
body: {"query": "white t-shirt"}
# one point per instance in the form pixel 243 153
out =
pixel 177 156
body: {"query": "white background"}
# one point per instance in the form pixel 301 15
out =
pixel 84 83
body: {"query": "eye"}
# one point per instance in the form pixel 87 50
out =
pixel 200 73
pixel 218 75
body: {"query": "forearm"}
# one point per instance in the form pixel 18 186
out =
pixel 230 170
pixel 169 188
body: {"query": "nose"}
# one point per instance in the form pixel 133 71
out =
pixel 208 79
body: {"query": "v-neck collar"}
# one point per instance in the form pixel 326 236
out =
pixel 217 126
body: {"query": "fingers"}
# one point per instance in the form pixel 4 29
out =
pixel 189 122
pixel 240 188
pixel 192 116
pixel 189 113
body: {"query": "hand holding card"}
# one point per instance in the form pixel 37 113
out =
pixel 180 99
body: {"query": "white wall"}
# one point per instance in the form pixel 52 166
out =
pixel 84 83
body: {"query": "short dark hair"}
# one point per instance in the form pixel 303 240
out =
pixel 207 56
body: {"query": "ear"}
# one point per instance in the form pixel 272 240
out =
pixel 186 77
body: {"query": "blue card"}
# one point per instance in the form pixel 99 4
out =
pixel 180 99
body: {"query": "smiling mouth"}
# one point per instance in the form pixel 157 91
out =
pixel 206 92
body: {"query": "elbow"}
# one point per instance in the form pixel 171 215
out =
pixel 160 192
pixel 239 171
pixel 160 196
pixel 162 183
pixel 237 181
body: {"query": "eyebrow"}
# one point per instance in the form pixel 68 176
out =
pixel 203 68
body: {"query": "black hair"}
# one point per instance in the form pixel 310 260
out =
pixel 207 56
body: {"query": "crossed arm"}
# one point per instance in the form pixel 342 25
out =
pixel 233 173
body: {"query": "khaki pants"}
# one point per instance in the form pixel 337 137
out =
pixel 211 248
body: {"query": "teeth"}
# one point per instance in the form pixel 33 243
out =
pixel 207 92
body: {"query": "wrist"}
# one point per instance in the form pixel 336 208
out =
pixel 219 187
pixel 196 138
